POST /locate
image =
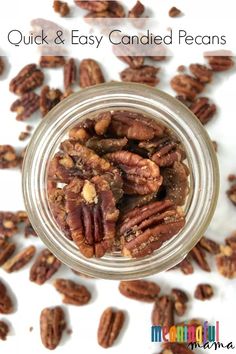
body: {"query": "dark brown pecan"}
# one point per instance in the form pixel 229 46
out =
pixel 140 290
pixel 141 176
pixel 110 325
pixel 61 7
pixel 90 73
pixel 53 61
pixel 27 80
pixel 137 10
pixel 73 293
pixel 180 298
pixel 62 168
pixel 52 325
pixel 186 86
pixel 103 146
pixel 231 193
pixel 6 250
pixel 175 348
pixel 185 266
pixel 8 224
pixel 145 74
pixel 163 312
pixel 49 98
pixel 146 228
pixel 203 292
pixel 166 151
pixel 231 241
pixel 69 73
pixel 201 72
pixel 45 265
pixel 94 6
pixel 92 215
pixel 203 109
pixel 209 245
pixel 6 304
pixel 19 260
pixel 8 157
pixel 198 254
pixel 4 330
pixel 2 66
pixel 174 12
pixel 25 106
pixel 220 63
pixel 226 262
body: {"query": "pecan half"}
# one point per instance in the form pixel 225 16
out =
pixel 6 304
pixel 203 292
pixel 201 72
pixel 26 80
pixel 61 7
pixel 8 224
pixel 25 106
pixel 140 290
pixel 166 151
pixel 8 157
pixel 19 260
pixel 209 245
pixel 45 265
pixel 174 12
pixel 51 61
pixel 133 61
pixel 198 254
pixel 92 215
pixel 69 73
pixel 94 6
pixel 110 325
pixel 137 10
pixel 4 330
pixel 185 266
pixel 145 74
pixel 180 298
pixel 163 312
pixel 2 66
pixel 141 176
pixel 231 193
pixel 102 123
pixel 186 86
pixel 220 63
pixel 146 228
pixel 52 325
pixel 103 146
pixel 90 73
pixel 175 348
pixel 203 109
pixel 73 293
pixel 226 262
pixel 116 8
pixel 49 98
pixel 6 250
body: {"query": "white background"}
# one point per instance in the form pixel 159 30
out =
pixel 30 298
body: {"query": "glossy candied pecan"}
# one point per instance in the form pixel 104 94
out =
pixel 8 224
pixel 140 290
pixel 45 265
pixel 2 66
pixel 146 74
pixel 92 215
pixel 226 262
pixel 69 73
pixel 140 176
pixel 203 109
pixel 51 61
pixel 198 254
pixel 174 12
pixel 137 10
pixel 145 229
pixel 166 151
pixel 6 250
pixel 163 312
pixel 52 325
pixel 219 62
pixel 62 168
pixel 231 193
pixel 203 292
pixel 73 293
pixel 180 298
pixel 49 98
pixel 94 6
pixel 102 123
pixel 26 80
pixel 201 72
pixel 176 348
pixel 19 260
pixel 61 7
pixel 90 73
pixel 209 245
pixel 186 86
pixel 25 106
pixel 110 325
pixel 4 330
pixel 103 146
pixel 6 304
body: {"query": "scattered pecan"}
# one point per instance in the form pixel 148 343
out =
pixel 6 304
pixel 73 293
pixel 110 325
pixel 137 10
pixel 203 292
pixel 8 157
pixel 8 224
pixel 19 260
pixel 90 73
pixel 69 73
pixel 45 265
pixel 231 193
pixel 203 109
pixel 231 241
pixel 94 6
pixel 134 62
pixel 4 330
pixel 61 7
pixel 201 72
pixel 2 66
pixel 145 74
pixel 180 298
pixel 25 106
pixel 22 216
pixel 23 136
pixel 175 348
pixel 6 250
pixel 92 215
pixel 198 254
pixel 226 262
pixel 52 325
pixel 209 245
pixel 186 266
pixel 174 12
pixel 140 290
pixel 186 86
pixel 181 68
pixel 26 80
pixel 49 98
pixel 220 63
pixel 103 146
pixel 163 312
pixel 146 228
pixel 55 61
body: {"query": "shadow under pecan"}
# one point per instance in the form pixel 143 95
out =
pixel 145 229
pixel 25 106
pixel 26 80
pixel 163 312
pixel 92 215
pixel 141 290
pixel 8 157
pixel 8 224
pixel 6 250
pixel 45 265
pixel 186 86
pixel 145 74
pixel 73 293
pixel 140 176
pixel 49 98
pixel 110 325
pixel 6 304
pixel 52 325
pixel 90 73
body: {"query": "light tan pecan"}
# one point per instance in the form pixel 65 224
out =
pixel 140 290
pixel 73 293
pixel 19 260
pixel 6 250
pixel 8 157
pixel 90 73
pixel 51 61
pixel 163 312
pixel 52 325
pixel 45 265
pixel 25 106
pixel 226 262
pixel 26 80
pixel 110 325
pixel 6 304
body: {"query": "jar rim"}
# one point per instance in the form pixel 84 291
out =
pixel 159 105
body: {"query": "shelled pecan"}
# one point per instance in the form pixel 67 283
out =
pixel 174 12
pixel 90 73
pixel 203 109
pixel 180 298
pixel 145 74
pixel 26 80
pixel 220 62
pixel 198 254
pixel 116 8
pixel 201 72
pixel 51 61
pixel 203 292
pixel 186 266
pixel 134 62
pixel 163 312
pixel 140 290
pixel 69 73
pixel 186 86
pixel 8 224
pixel 226 262
pixel 209 245
pixel 45 265
pixel 137 10
pixel 61 7
pixel 25 106
pixel 166 151
pixel 110 325
pixel 49 98
pixel 19 260
pixel 4 330
pixel 94 6
pixel 73 293
pixel 8 157
pixel 6 250
pixel 52 325
pixel 6 304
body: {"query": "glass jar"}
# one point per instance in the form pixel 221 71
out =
pixel 202 162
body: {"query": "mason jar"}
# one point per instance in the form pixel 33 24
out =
pixel 201 159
